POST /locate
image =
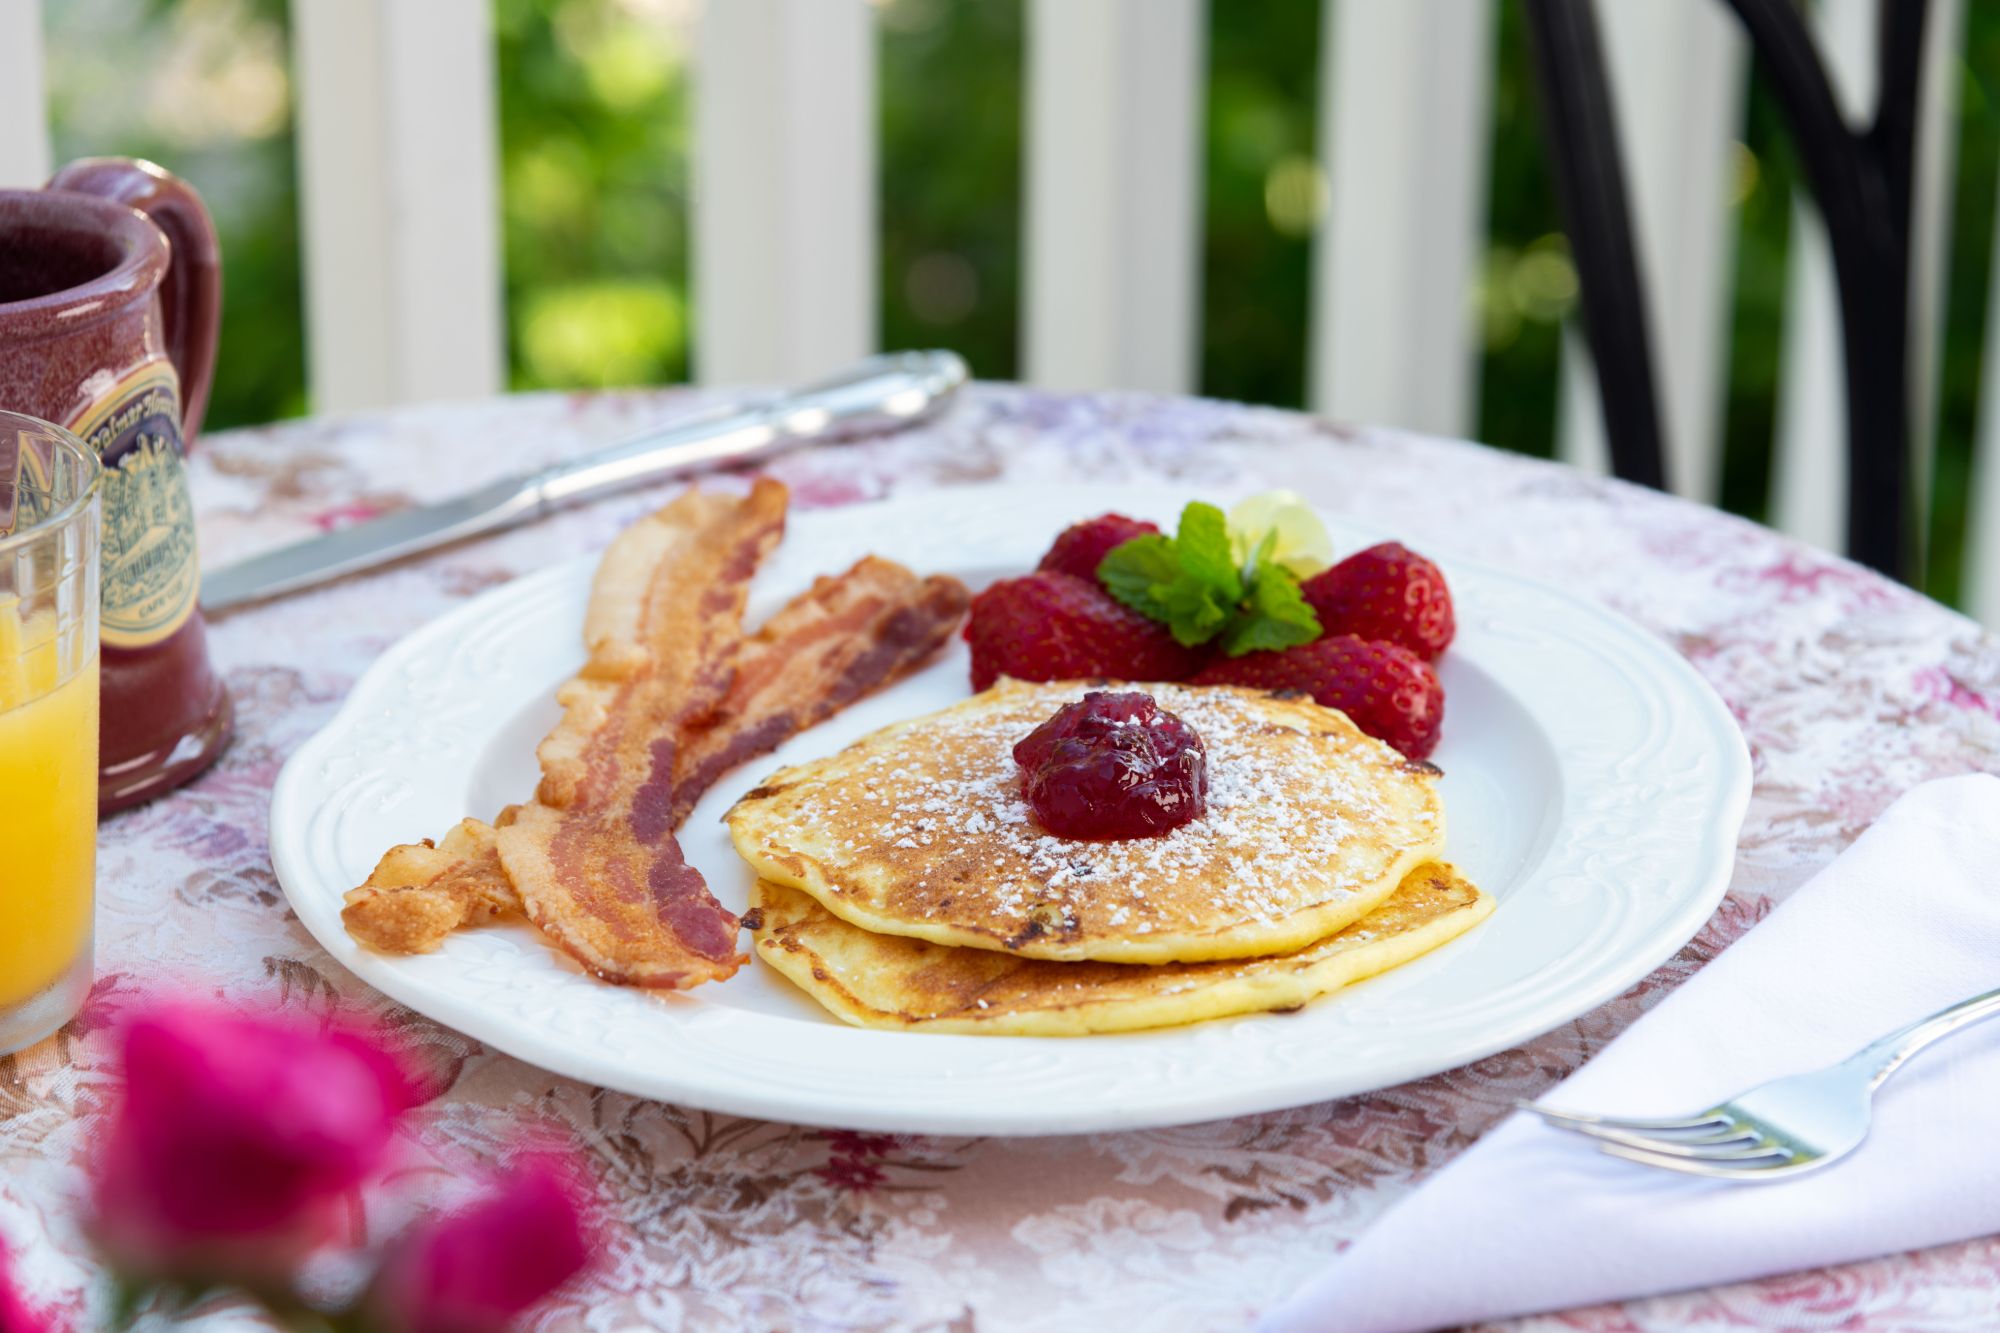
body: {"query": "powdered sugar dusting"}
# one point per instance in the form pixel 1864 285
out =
pixel 1300 812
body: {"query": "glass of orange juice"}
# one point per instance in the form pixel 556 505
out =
pixel 48 726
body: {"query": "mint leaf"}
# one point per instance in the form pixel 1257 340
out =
pixel 1258 558
pixel 1203 542
pixel 1194 612
pixel 1139 573
pixel 1274 614
pixel 1190 583
pixel 1186 582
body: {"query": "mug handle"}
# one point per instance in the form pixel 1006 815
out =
pixel 191 294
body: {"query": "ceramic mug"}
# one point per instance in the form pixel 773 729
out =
pixel 110 298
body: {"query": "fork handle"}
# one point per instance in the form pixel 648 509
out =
pixel 1885 1054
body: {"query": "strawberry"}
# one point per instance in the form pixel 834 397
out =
pixel 1385 592
pixel 1386 690
pixel 1047 626
pixel 1081 547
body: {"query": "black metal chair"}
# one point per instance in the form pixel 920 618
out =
pixel 1861 180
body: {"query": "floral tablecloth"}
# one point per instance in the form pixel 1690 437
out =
pixel 1849 688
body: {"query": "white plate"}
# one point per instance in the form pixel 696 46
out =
pixel 1593 784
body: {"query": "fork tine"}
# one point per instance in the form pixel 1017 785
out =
pixel 1738 1142
pixel 1768 1161
pixel 1721 1132
pixel 1581 1120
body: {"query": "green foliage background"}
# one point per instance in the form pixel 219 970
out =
pixel 594 145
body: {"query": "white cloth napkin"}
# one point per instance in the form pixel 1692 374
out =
pixel 1533 1219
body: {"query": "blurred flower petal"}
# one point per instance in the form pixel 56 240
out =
pixel 479 1269
pixel 16 1315
pixel 236 1139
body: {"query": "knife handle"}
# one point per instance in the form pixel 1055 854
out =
pixel 882 392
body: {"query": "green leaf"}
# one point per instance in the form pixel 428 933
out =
pixel 1190 583
pixel 1139 572
pixel 1203 543
pixel 1258 558
pixel 1274 615
pixel 1194 612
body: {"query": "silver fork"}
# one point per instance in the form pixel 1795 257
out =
pixel 1778 1129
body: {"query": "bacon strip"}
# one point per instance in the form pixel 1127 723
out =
pixel 421 892
pixel 843 638
pixel 833 644
pixel 593 855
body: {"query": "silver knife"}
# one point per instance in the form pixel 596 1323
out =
pixel 880 393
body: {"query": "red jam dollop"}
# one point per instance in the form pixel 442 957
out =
pixel 1113 766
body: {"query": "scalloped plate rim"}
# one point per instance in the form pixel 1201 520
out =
pixel 1702 880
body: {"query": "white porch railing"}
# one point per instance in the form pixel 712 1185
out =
pixel 1811 472
pixel 1113 192
pixel 784 188
pixel 399 199
pixel 1405 121
pixel 1679 73
pixel 24 129
pixel 396 125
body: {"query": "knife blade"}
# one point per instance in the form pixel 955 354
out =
pixel 881 393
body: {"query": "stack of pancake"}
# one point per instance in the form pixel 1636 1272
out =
pixel 904 884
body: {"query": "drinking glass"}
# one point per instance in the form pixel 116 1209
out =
pixel 48 725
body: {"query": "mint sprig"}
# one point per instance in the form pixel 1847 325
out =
pixel 1190 583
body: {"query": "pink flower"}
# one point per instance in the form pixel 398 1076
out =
pixel 236 1141
pixel 477 1270
pixel 16 1315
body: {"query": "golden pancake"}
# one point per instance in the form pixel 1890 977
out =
pixel 921 830
pixel 904 984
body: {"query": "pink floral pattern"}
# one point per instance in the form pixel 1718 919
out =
pixel 1849 688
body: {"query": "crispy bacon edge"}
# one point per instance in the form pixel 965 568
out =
pixel 419 893
pixel 594 856
pixel 839 641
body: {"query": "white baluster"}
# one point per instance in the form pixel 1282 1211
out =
pixel 1930 239
pixel 1405 110
pixel 1115 96
pixel 1982 518
pixel 784 188
pixel 24 112
pixel 399 201
pixel 1678 74
pixel 1580 437
pixel 1809 484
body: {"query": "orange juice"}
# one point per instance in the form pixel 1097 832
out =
pixel 48 807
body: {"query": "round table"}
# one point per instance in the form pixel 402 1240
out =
pixel 1849 688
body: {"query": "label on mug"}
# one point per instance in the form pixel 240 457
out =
pixel 150 577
